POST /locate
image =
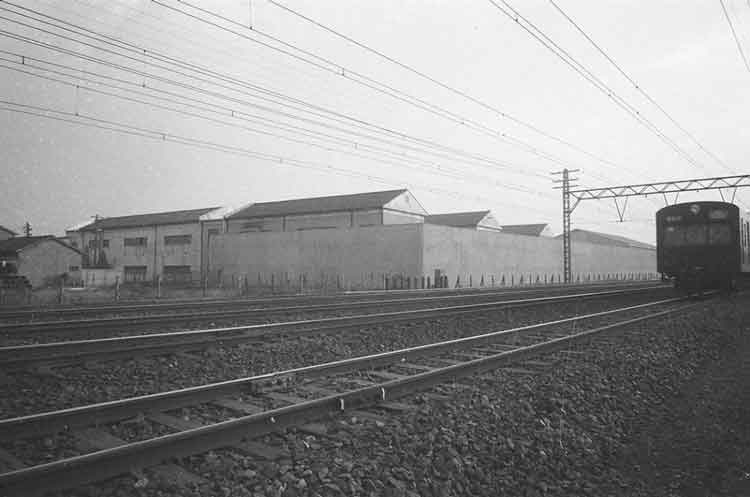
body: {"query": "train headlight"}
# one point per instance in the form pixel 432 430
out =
pixel 695 209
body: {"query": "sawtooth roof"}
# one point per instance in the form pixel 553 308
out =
pixel 458 219
pixel 335 203
pixel 156 218
pixel 524 229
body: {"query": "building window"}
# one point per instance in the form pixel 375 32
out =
pixel 105 243
pixel 177 274
pixel 135 273
pixel 92 244
pixel 252 227
pixel 178 239
pixel 213 231
pixel 136 242
pixel 73 243
pixel 73 269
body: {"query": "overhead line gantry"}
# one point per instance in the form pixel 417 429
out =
pixel 577 195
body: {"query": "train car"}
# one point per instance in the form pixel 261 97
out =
pixel 702 245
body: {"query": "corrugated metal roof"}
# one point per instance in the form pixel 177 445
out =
pixel 524 229
pixel 458 219
pixel 7 230
pixel 171 217
pixel 607 239
pixel 335 203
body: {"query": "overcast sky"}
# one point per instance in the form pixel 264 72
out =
pixel 338 119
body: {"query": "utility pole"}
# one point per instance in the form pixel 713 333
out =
pixel 566 212
pixel 27 229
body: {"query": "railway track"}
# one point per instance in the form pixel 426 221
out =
pixel 232 413
pixel 125 311
pixel 105 349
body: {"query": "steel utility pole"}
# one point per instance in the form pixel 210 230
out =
pixel 566 212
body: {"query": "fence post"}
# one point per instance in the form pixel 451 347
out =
pixel 158 286
pixel 117 288
pixel 60 291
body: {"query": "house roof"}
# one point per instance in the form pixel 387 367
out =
pixel 607 239
pixel 3 228
pixel 335 203
pixel 156 218
pixel 459 219
pixel 13 246
pixel 524 229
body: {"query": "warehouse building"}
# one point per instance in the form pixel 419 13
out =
pixel 141 247
pixel 365 239
pixel 586 236
pixel 40 259
pixel 539 229
pixel 478 220
pixel 300 241
pixel 339 211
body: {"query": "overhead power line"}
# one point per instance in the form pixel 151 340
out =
pixel 640 88
pixel 443 85
pixel 165 136
pixel 266 95
pixel 359 78
pixel 734 34
pixel 404 162
pixel 541 37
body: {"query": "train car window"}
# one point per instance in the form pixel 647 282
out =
pixel 719 234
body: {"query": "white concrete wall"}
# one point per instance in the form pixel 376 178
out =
pixel 467 253
pixel 360 256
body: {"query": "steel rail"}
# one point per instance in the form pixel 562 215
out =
pixel 43 423
pixel 82 324
pixel 108 463
pixel 156 343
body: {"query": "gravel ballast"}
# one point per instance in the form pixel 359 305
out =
pixel 659 411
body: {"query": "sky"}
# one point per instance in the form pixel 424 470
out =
pixel 135 106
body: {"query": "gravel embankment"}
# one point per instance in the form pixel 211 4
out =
pixel 658 413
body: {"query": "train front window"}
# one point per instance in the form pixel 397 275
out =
pixel 719 234
pixel 697 234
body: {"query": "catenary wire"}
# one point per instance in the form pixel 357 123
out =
pixel 364 80
pixel 734 35
pixel 639 88
pixel 579 68
pixel 450 88
pixel 433 170
pixel 165 136
pixel 151 53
